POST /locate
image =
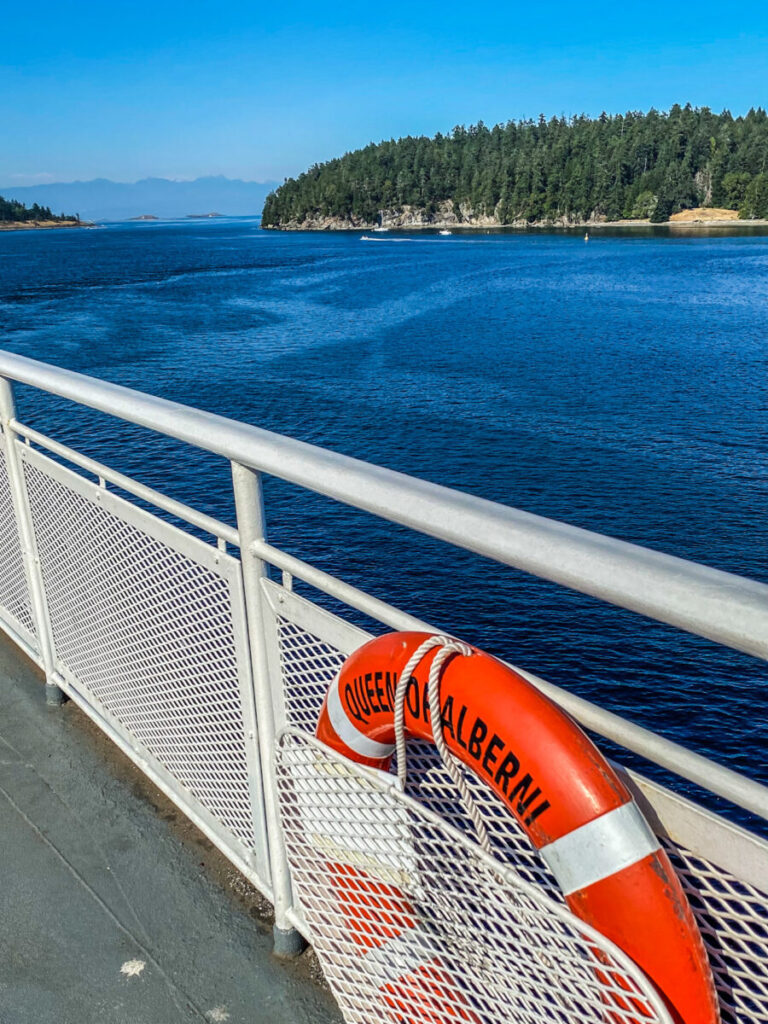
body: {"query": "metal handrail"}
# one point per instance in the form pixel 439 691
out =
pixel 717 605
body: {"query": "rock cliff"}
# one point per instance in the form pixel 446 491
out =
pixel 445 215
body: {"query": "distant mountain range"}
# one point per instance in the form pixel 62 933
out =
pixel 102 199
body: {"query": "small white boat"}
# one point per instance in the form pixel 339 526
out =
pixel 445 232
pixel 381 229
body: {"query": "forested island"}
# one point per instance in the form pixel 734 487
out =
pixel 15 215
pixel 560 171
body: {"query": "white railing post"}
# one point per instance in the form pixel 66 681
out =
pixel 29 553
pixel 251 526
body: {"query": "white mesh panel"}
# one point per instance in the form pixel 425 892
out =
pixel 308 666
pixel 732 916
pixel 411 924
pixel 148 632
pixel 14 594
pixel 733 919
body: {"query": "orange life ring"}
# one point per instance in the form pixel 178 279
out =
pixel 556 783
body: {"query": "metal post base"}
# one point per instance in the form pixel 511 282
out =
pixel 288 943
pixel 54 696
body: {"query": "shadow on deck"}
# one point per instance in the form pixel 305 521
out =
pixel 113 908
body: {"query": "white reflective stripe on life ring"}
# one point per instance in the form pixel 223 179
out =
pixel 349 733
pixel 600 848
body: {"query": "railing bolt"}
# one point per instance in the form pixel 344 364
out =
pixel 287 943
pixel 54 695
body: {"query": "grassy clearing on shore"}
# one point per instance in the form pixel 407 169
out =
pixel 29 225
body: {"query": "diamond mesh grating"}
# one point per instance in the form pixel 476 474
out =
pixel 732 916
pixel 14 594
pixel 733 919
pixel 308 665
pixel 413 925
pixel 148 632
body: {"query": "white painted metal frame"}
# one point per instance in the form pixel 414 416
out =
pixel 42 628
pixel 16 603
pixel 713 604
pixel 252 859
pixel 700 831
pixel 723 867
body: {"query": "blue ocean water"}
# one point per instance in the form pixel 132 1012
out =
pixel 620 385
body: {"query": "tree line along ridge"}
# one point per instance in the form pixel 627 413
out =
pixel 14 212
pixel 561 170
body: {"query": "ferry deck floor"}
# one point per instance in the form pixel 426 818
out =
pixel 113 908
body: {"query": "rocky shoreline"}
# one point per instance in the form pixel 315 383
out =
pixel 446 218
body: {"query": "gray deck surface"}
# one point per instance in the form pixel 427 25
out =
pixel 99 875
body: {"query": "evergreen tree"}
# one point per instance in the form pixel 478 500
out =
pixel 755 203
pixel 12 211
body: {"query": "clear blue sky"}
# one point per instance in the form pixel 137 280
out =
pixel 179 89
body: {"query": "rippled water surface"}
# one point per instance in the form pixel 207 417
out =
pixel 620 385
